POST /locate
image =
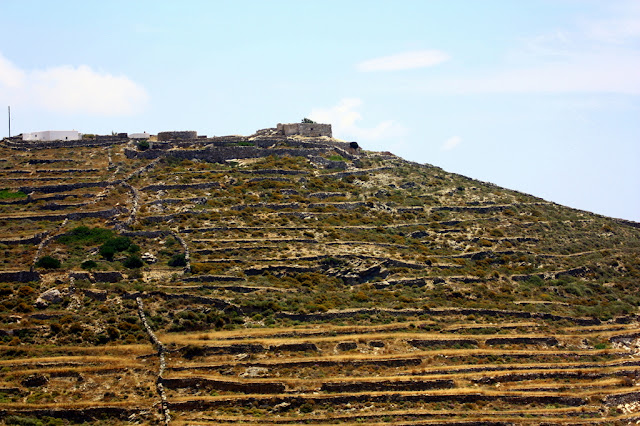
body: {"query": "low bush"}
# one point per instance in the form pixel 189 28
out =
pixel 89 264
pixel 143 145
pixel 133 262
pixel 48 262
pixel 113 246
pixel 86 236
pixel 177 260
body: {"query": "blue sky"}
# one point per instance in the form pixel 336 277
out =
pixel 538 96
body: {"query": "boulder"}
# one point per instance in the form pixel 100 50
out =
pixel 53 295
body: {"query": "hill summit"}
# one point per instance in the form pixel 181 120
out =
pixel 287 277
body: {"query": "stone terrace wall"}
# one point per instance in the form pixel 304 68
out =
pixel 222 154
pixel 104 141
pixel 47 189
pixel 173 135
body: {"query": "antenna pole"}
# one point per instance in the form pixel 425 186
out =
pixel 9 107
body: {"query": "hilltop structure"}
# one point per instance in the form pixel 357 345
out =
pixel 305 129
pixel 53 135
pixel 143 135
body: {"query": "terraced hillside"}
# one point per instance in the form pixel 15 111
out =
pixel 271 280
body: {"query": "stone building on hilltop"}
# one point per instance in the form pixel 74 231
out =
pixel 304 129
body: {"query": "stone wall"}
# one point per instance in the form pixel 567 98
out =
pixel 105 214
pixel 221 154
pixel 19 276
pixel 107 141
pixel 304 129
pixel 177 135
pixel 48 189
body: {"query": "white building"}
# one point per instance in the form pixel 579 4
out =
pixel 53 135
pixel 143 135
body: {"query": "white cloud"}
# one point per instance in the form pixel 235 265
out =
pixel 70 90
pixel 10 75
pixel 404 61
pixel 451 143
pixel 81 89
pixel 343 118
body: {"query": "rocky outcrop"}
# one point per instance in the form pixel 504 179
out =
pixel 53 295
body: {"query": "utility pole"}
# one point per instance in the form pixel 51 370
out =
pixel 9 107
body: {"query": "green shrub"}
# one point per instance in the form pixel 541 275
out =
pixel 89 264
pixel 113 246
pixel 143 145
pixel 107 252
pixel 177 260
pixel 306 408
pixel 23 421
pixel 48 262
pixel 133 262
pixel 86 235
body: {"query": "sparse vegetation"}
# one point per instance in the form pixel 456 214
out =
pixel 405 290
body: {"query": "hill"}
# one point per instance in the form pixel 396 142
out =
pixel 290 280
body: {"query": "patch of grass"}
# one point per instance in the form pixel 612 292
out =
pixel 7 194
pixel 86 236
